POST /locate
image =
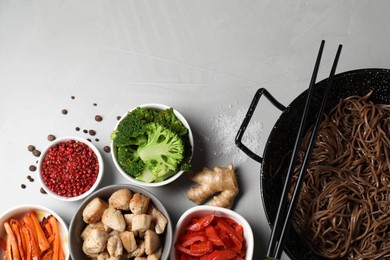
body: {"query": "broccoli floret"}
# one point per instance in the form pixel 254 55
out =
pixel 151 145
pixel 162 153
pixel 130 161
pixel 131 129
pixel 168 119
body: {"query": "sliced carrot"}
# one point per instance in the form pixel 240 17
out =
pixel 33 244
pixel 30 225
pixel 26 238
pixel 57 239
pixel 51 239
pixel 15 225
pixel 47 227
pixel 47 255
pixel 42 240
pixel 13 240
pixel 8 251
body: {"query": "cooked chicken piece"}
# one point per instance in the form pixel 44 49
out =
pixel 158 218
pixel 139 203
pixel 139 251
pixel 114 219
pixel 140 258
pixel 152 242
pixel 155 256
pixel 103 256
pixel 114 246
pixel 128 219
pixel 120 199
pixel 95 242
pixel 93 212
pixel 128 241
pixel 106 256
pixel 98 225
pixel 141 222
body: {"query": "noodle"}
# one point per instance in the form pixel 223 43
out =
pixel 344 207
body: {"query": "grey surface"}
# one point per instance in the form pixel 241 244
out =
pixel 204 58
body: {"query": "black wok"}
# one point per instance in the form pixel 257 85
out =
pixel 282 138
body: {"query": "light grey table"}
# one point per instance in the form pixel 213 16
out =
pixel 204 58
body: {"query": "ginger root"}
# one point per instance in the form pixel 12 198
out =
pixel 219 180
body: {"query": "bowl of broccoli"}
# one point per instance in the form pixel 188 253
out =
pixel 152 145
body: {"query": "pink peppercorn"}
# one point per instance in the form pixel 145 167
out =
pixel 70 168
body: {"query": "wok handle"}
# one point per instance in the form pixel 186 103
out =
pixel 260 92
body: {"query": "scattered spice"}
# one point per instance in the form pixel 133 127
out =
pixel 94 104
pixel 23 186
pixel 64 111
pixel 70 168
pixel 97 139
pixel 92 132
pixel 72 97
pixel 107 149
pixel 31 148
pixel 77 128
pixel 89 139
pixel 42 190
pixel 118 117
pixel 36 153
pixel 51 137
pixel 98 118
pixel 30 178
pixel 32 168
pixel 85 131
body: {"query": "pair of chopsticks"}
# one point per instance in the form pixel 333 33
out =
pixel 285 211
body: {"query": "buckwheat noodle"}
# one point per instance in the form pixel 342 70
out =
pixel 344 207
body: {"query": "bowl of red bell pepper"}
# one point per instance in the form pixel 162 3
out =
pixel 207 232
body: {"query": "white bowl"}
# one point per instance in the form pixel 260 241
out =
pixel 40 211
pixel 202 210
pixel 173 177
pixel 93 187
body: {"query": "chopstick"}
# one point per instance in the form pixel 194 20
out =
pixel 284 214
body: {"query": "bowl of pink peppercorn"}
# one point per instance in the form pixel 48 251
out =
pixel 70 168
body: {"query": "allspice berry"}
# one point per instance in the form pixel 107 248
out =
pixel 98 118
pixel 31 148
pixel 107 149
pixel 36 153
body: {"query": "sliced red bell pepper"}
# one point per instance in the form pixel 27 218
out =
pixel 240 230
pixel 191 238
pixel 201 223
pixel 222 255
pixel 187 257
pixel 212 235
pixel 230 221
pixel 187 251
pixel 202 248
pixel 234 236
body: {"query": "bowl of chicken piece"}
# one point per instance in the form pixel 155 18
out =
pixel 121 222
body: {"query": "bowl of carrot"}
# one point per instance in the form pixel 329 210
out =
pixel 33 232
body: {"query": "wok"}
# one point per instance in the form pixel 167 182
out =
pixel 282 138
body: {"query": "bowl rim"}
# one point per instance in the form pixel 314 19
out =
pixel 19 209
pixel 156 106
pixel 64 139
pixel 134 188
pixel 219 211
